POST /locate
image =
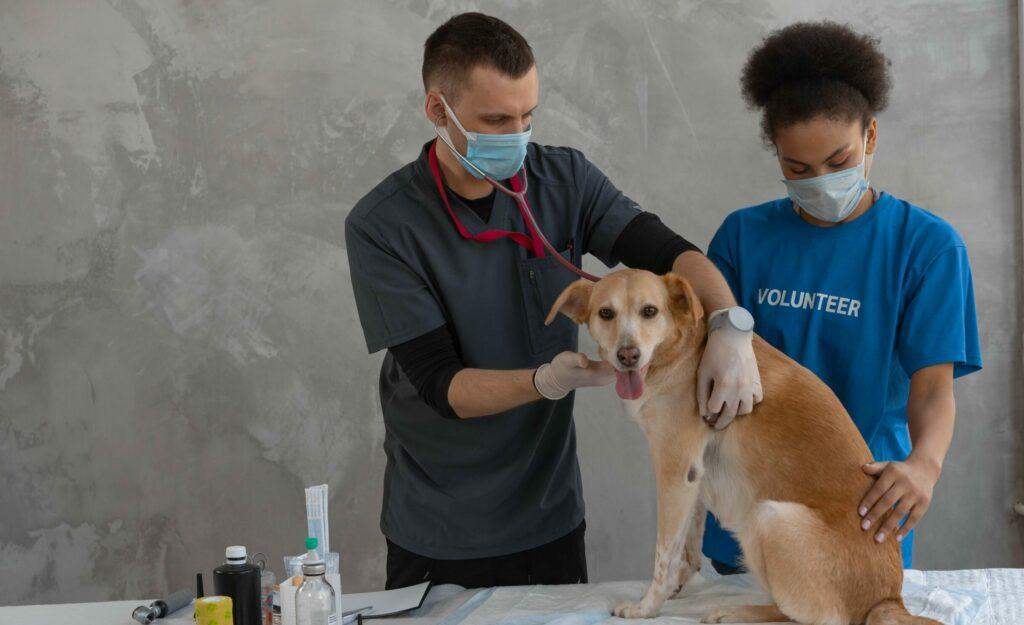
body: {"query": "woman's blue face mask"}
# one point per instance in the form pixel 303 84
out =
pixel 831 197
pixel 498 156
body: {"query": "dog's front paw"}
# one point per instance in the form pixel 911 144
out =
pixel 633 610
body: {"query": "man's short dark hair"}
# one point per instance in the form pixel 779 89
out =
pixel 469 40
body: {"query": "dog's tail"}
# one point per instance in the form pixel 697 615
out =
pixel 893 612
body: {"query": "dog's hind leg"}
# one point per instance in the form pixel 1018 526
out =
pixel 790 550
pixel 746 614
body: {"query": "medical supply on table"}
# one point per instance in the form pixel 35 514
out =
pixel 317 551
pixel 315 598
pixel 286 596
pixel 536 241
pixel 239 579
pixel 162 607
pixel 317 522
pixel 213 610
pixel 277 606
pixel 293 564
pixel 267 579
pixel 311 552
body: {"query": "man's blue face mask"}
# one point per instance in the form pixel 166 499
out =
pixel 831 197
pixel 498 156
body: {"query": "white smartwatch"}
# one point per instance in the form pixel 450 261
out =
pixel 738 317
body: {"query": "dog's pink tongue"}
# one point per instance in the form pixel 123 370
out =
pixel 629 384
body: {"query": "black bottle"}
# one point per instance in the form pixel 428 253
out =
pixel 240 580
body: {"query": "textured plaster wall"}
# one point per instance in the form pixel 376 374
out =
pixel 179 349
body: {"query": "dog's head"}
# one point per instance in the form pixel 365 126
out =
pixel 633 315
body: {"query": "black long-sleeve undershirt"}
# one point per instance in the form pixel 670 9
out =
pixel 430 361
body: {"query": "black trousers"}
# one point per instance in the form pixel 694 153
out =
pixel 561 561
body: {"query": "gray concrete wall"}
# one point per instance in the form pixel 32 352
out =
pixel 179 350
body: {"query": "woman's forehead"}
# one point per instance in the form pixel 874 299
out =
pixel 817 140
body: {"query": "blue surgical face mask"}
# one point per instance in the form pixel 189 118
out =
pixel 498 156
pixel 831 197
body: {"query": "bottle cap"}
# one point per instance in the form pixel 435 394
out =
pixel 235 553
pixel 311 543
pixel 314 568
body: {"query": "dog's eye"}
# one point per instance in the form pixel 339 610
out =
pixel 606 313
pixel 649 311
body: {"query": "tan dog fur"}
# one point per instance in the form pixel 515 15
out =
pixel 784 480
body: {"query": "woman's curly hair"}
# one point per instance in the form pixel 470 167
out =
pixel 815 69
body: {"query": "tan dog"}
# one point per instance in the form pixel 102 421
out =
pixel 785 480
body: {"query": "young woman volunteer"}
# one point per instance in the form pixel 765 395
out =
pixel 870 292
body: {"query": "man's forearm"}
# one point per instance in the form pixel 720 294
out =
pixel 482 392
pixel 931 414
pixel 706 280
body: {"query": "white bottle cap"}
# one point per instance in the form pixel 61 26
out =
pixel 235 552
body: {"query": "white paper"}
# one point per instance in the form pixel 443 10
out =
pixel 387 602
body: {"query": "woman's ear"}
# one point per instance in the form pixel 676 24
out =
pixel 685 305
pixel 574 302
pixel 872 136
pixel 869 148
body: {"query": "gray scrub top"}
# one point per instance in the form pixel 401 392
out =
pixel 494 485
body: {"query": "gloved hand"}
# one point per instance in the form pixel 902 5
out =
pixel 728 382
pixel 569 371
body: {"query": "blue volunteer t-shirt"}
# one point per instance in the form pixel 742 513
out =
pixel 863 305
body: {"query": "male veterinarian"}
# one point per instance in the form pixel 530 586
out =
pixel 482 485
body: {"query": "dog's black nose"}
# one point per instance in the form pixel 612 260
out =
pixel 628 356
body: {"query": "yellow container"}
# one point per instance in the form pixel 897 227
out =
pixel 213 611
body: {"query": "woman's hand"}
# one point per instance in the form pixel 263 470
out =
pixel 907 486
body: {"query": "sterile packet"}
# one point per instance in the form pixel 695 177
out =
pixel 317 523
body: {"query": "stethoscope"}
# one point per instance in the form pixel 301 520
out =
pixel 519 195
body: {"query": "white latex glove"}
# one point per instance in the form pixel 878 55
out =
pixel 728 382
pixel 569 371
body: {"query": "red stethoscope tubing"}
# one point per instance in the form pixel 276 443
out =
pixel 524 209
pixel 519 195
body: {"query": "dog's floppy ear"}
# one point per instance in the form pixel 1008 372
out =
pixel 684 302
pixel 574 302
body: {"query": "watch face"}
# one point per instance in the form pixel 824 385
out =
pixel 741 319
